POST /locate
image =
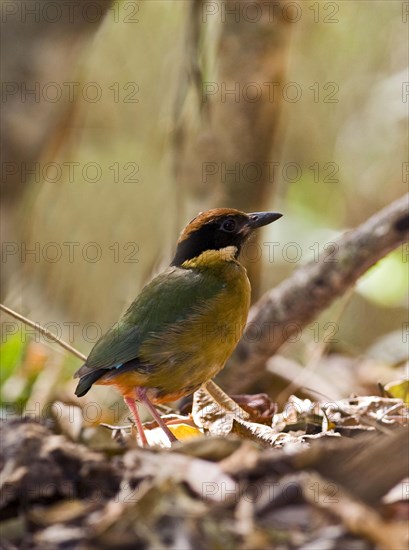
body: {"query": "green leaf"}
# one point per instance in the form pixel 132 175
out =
pixel 387 282
pixel 11 354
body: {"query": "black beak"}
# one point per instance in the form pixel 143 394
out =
pixel 258 219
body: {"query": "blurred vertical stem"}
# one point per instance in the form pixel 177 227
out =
pixel 223 157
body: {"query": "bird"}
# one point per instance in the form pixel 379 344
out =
pixel 183 326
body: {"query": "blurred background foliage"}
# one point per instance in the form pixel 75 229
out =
pixel 136 208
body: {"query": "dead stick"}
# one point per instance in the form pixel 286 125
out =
pixel 43 331
pixel 311 289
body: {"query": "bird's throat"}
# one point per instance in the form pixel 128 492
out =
pixel 212 258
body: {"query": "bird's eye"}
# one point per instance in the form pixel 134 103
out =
pixel 229 225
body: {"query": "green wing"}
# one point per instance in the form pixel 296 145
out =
pixel 172 296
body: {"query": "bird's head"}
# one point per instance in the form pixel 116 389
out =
pixel 218 229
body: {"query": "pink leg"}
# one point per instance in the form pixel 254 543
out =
pixel 134 410
pixel 142 397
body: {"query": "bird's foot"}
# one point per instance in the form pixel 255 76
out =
pixel 134 410
pixel 143 398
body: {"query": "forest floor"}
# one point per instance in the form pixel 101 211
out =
pixel 312 476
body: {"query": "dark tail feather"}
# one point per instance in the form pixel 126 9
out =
pixel 87 380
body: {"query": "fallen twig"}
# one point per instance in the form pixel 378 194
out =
pixel 43 331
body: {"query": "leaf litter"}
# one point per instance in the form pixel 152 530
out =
pixel 244 476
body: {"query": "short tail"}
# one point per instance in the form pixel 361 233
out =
pixel 87 380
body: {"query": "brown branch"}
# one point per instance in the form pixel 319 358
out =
pixel 311 289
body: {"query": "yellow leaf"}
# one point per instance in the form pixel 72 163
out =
pixel 184 431
pixel 398 389
pixel 181 431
